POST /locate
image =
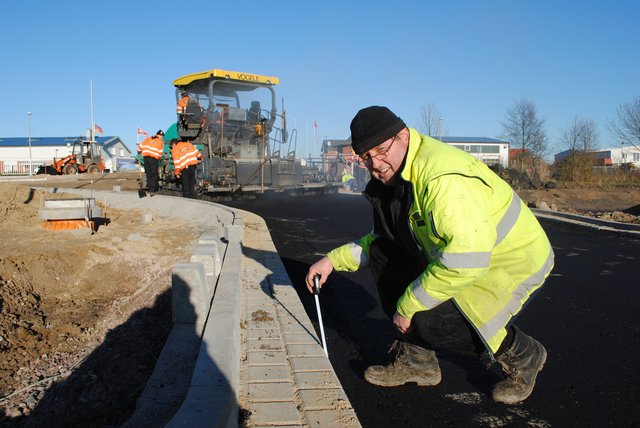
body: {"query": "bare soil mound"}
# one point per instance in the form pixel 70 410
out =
pixel 620 203
pixel 82 317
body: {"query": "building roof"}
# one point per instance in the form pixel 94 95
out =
pixel 50 141
pixel 467 140
pixel 57 141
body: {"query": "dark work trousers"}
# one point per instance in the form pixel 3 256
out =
pixel 151 171
pixel 188 176
pixel 442 328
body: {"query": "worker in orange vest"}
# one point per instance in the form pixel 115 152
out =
pixel 181 108
pixel 185 159
pixel 151 149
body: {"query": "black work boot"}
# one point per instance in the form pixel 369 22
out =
pixel 412 364
pixel 521 363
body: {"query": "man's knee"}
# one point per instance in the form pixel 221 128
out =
pixel 445 328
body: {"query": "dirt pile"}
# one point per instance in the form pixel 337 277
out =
pixel 609 203
pixel 82 317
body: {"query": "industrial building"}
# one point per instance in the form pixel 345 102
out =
pixel 20 155
pixel 489 150
pixel 613 156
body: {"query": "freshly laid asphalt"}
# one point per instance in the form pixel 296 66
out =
pixel 586 316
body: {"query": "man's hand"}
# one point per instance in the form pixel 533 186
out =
pixel 402 324
pixel 322 267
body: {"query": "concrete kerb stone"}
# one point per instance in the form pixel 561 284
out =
pixel 190 294
pixel 234 233
pixel 586 221
pixel 211 397
pixel 209 256
pixel 69 209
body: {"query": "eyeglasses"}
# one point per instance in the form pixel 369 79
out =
pixel 367 158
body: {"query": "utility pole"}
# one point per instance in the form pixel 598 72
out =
pixel 29 126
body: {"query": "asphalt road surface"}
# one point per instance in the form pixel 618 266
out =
pixel 587 316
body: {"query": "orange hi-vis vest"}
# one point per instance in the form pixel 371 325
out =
pixel 182 105
pixel 184 154
pixel 152 147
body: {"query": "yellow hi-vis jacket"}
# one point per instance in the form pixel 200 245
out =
pixel 346 177
pixel 482 246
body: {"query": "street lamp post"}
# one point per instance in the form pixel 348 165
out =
pixel 29 125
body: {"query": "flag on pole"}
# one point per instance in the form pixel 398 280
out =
pixel 142 132
pixel 315 125
pixel 97 128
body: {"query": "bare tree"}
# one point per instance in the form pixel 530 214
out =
pixel 580 136
pixel 431 121
pixel 525 131
pixel 626 127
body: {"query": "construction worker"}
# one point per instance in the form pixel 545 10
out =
pixel 181 108
pixel 185 159
pixel 454 252
pixel 348 180
pixel 151 149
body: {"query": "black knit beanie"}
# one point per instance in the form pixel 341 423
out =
pixel 372 126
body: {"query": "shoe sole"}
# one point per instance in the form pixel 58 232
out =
pixel 420 381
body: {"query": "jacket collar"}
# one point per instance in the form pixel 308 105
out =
pixel 414 145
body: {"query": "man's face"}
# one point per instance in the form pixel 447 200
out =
pixel 385 160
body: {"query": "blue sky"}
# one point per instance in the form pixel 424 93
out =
pixel 470 59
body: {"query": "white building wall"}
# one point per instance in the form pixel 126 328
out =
pixel 15 160
pixel 502 157
pixel 618 155
pixel 625 155
pixel 40 154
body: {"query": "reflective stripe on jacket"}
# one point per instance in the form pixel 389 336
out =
pixel 152 147
pixel 483 247
pixel 184 154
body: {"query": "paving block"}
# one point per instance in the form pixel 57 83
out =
pixel 266 357
pixel 320 399
pixel 280 373
pixel 263 333
pixel 271 391
pixel 321 379
pixel 301 338
pixel 310 364
pixel 306 350
pixel 331 418
pixel 264 344
pixel 297 327
pixel 277 413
